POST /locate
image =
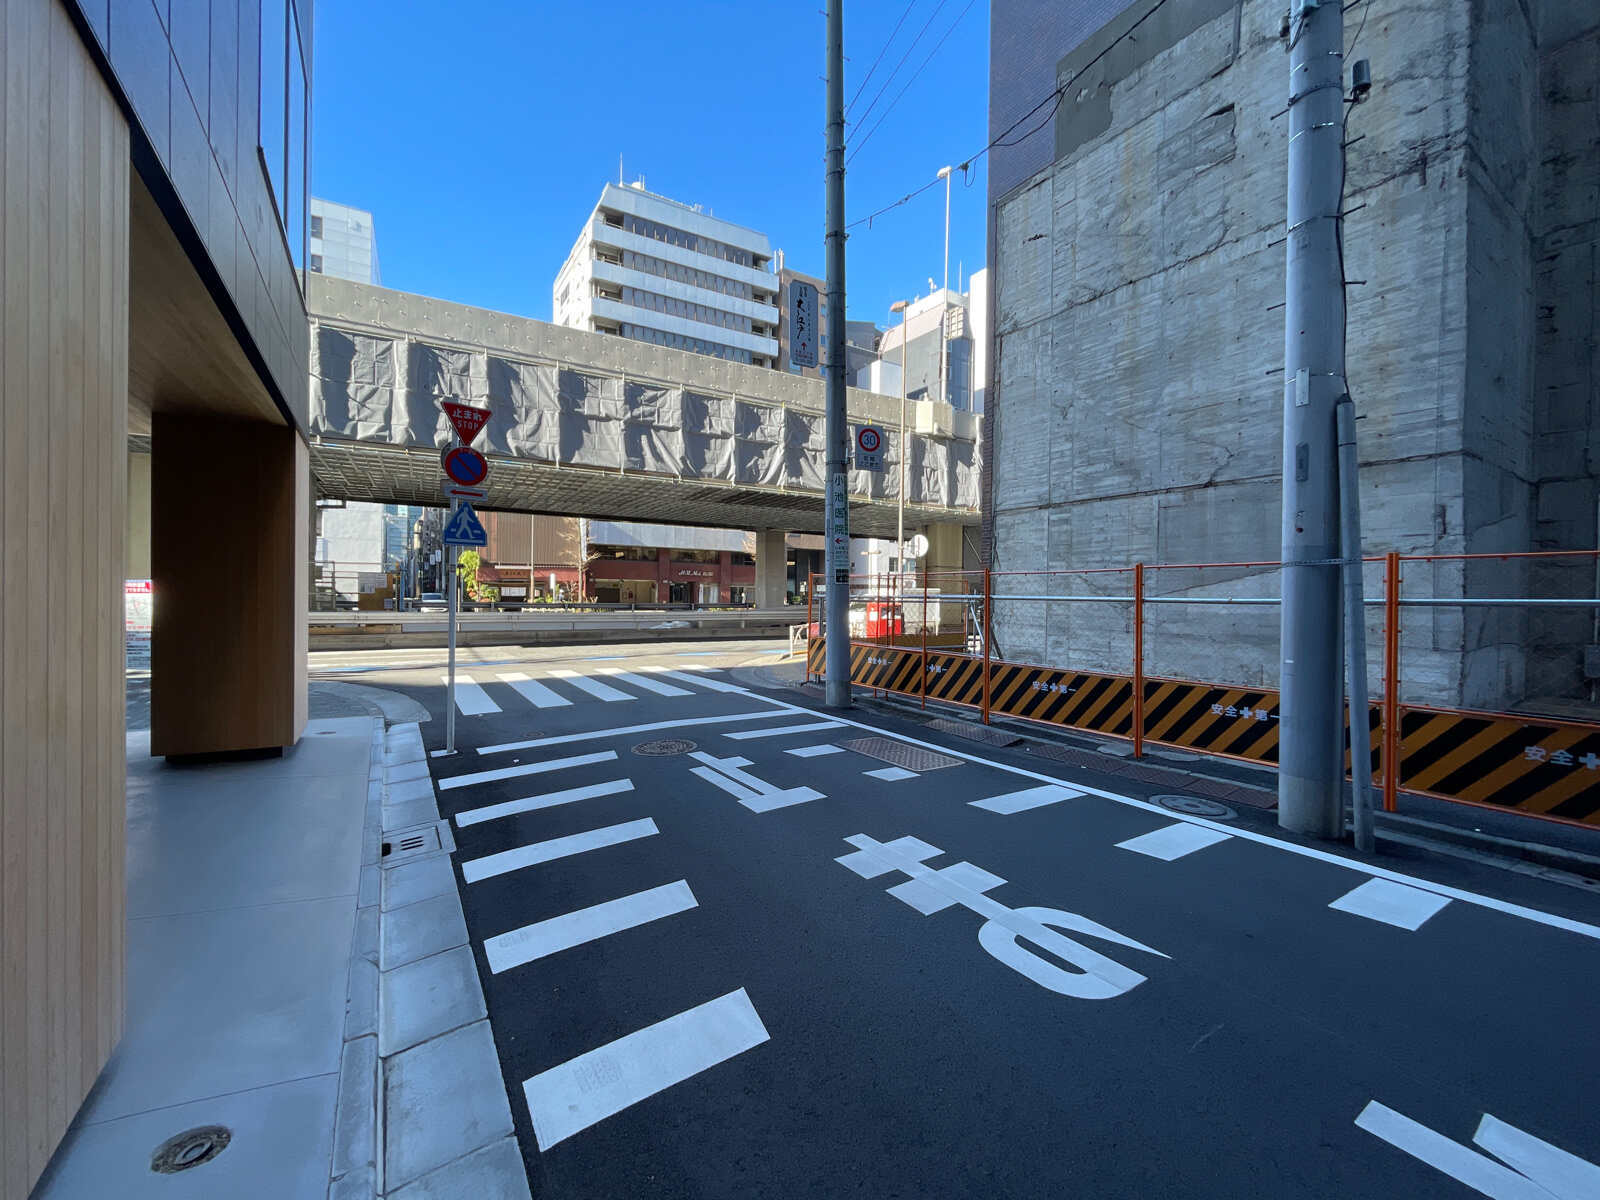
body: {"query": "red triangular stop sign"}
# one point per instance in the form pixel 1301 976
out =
pixel 467 420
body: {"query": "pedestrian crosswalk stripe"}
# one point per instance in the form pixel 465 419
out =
pixel 591 1087
pixel 544 938
pixel 471 699
pixel 702 680
pixel 649 727
pixel 533 768
pixel 532 690
pixel 548 851
pixel 649 685
pixel 781 730
pixel 489 812
pixel 593 686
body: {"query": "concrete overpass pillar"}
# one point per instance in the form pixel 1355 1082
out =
pixel 772 569
pixel 944 547
pixel 229 503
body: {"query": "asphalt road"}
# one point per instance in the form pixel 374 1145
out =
pixel 757 973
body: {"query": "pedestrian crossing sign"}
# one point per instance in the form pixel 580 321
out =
pixel 464 529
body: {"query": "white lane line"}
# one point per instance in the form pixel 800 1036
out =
pixel 716 685
pixel 814 751
pixel 1173 841
pixel 648 684
pixel 471 699
pixel 1392 903
pixel 1477 1171
pixel 571 929
pixel 490 812
pixel 1562 1174
pixel 781 730
pixel 1550 920
pixel 548 851
pixel 591 735
pixel 593 686
pixel 533 768
pixel 890 774
pixel 532 690
pixel 585 1090
pixel 1015 802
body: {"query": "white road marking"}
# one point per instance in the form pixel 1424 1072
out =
pixel 594 687
pixel 814 751
pixel 1173 841
pixel 544 938
pixel 476 816
pixel 890 774
pixel 471 699
pixel 716 685
pixel 782 730
pixel 1392 903
pixel 645 682
pixel 1538 917
pixel 755 794
pixel 532 690
pixel 1542 1172
pixel 533 768
pixel 585 1090
pixel 591 735
pixel 548 851
pixel 1015 802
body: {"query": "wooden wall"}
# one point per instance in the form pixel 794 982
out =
pixel 64 168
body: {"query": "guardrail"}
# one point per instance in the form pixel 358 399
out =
pixel 1530 763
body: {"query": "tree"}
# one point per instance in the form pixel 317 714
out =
pixel 467 566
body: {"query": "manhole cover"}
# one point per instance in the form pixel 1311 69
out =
pixel 1196 806
pixel 912 758
pixel 190 1149
pixel 664 747
pixel 973 732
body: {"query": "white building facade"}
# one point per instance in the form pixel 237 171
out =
pixel 344 242
pixel 651 269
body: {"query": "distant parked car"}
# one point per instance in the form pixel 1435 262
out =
pixel 432 602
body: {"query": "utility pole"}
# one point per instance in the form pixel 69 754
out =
pixel 837 628
pixel 944 297
pixel 902 307
pixel 1311 734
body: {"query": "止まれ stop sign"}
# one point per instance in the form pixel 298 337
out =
pixel 464 465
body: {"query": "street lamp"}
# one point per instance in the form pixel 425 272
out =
pixel 900 306
pixel 944 297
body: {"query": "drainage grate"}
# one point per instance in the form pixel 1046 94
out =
pixel 190 1149
pixel 1195 806
pixel 912 758
pixel 973 732
pixel 664 747
pixel 411 843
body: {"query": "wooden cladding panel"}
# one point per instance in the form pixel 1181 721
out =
pixel 64 204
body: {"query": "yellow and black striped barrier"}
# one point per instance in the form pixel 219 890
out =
pixel 1098 703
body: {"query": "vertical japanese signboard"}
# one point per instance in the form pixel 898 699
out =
pixel 803 323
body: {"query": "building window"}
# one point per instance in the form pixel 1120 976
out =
pixel 285 101
pixel 316 225
pixel 316 263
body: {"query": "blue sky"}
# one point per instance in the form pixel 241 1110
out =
pixel 480 133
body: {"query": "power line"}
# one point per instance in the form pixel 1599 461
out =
pixel 921 33
pixel 999 140
pixel 885 114
pixel 885 49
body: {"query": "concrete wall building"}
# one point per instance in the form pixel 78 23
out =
pixel 343 242
pixel 651 269
pixel 153 186
pixel 914 341
pixel 1137 247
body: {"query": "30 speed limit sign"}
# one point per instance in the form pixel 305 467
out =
pixel 869 447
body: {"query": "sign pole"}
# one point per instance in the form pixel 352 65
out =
pixel 450 691
pixel 837 675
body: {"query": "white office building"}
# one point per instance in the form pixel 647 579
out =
pixel 654 270
pixel 344 243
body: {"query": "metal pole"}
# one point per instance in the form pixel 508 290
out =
pixel 811 584
pixel 450 622
pixel 924 638
pixel 988 625
pixel 1310 775
pixel 1138 660
pixel 944 303
pixel 1391 679
pixel 900 498
pixel 1355 627
pixel 838 498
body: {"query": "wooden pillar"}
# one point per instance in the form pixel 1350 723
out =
pixel 228 511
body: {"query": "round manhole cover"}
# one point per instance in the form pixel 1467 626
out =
pixel 1195 806
pixel 664 747
pixel 190 1149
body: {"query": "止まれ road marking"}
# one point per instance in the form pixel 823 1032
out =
pixel 1028 798
pixel 578 1093
pixel 1537 1170
pixel 548 851
pixel 533 768
pixel 533 691
pixel 490 812
pixel 594 687
pixel 471 699
pixel 1392 903
pixel 1004 929
pixel 1173 841
pixel 571 929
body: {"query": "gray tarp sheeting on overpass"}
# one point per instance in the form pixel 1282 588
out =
pixel 388 390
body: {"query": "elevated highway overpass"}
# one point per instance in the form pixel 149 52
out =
pixel 587 424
